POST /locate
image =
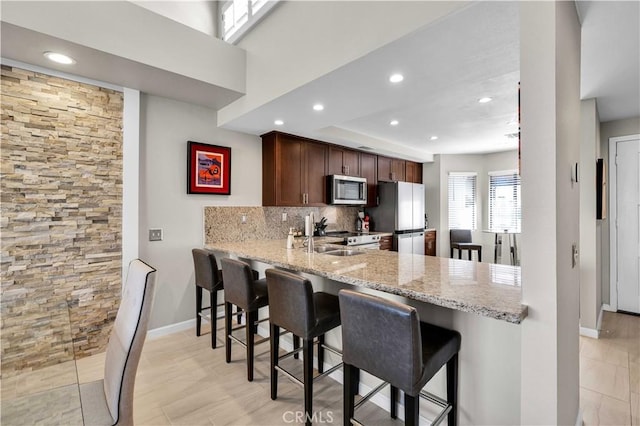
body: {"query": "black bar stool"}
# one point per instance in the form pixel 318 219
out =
pixel 295 307
pixel 208 277
pixel 387 339
pixel 249 294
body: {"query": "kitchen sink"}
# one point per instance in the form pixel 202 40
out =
pixel 344 252
pixel 325 249
pixel 337 251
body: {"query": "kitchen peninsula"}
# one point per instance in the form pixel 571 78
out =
pixel 483 288
pixel 480 300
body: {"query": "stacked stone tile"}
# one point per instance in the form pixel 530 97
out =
pixel 61 193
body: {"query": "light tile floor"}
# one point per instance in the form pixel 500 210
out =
pixel 181 381
pixel 610 372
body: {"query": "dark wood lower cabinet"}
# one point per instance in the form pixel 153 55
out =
pixel 430 243
pixel 386 242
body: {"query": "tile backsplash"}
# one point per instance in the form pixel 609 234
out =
pixel 225 224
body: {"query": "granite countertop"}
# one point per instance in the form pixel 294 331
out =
pixel 486 289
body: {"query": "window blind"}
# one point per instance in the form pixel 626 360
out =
pixel 505 213
pixel 462 200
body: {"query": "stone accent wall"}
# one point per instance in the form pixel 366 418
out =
pixel 61 189
pixel 224 224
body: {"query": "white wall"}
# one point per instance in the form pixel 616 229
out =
pixel 166 126
pixel 197 14
pixel 590 278
pixel 435 177
pixel 550 112
pixel 611 129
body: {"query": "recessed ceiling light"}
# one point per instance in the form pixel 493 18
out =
pixel 394 122
pixel 59 58
pixel 484 100
pixel 433 138
pixel 318 107
pixel 278 122
pixel 396 78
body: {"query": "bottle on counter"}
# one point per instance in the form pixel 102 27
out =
pixel 290 239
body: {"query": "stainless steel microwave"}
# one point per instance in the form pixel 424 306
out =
pixel 348 190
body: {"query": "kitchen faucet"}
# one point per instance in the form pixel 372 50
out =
pixel 310 238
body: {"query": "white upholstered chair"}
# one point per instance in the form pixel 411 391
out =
pixel 110 401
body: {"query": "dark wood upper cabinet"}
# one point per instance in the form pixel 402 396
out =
pixel 369 170
pixel 390 169
pixel 315 188
pixel 413 172
pixel 343 162
pixel 293 171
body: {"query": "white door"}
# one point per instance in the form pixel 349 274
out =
pixel 628 229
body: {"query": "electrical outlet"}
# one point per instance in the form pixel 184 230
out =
pixel 243 218
pixel 284 217
pixel 155 234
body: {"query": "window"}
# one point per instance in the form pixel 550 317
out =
pixel 238 16
pixel 504 201
pixel 462 200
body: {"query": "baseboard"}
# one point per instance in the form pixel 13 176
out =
pixel 599 322
pixel 589 332
pixel 608 308
pixel 171 328
pixel 579 417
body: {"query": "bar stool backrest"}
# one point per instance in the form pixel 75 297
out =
pixel 238 283
pixel 460 235
pixel 206 267
pixel 291 304
pixel 381 337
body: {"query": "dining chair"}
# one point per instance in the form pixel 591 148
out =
pixel 461 239
pixel 110 401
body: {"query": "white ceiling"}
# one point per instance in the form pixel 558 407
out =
pixel 447 66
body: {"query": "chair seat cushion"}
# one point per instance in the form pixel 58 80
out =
pixel 438 346
pixel 466 246
pixel 94 404
pixel 327 313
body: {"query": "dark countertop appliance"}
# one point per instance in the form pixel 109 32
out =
pixel 401 209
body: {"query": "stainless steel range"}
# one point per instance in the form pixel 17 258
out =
pixel 358 239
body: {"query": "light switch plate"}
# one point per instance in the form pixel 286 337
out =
pixel 155 234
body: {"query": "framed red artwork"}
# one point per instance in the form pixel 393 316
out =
pixel 208 169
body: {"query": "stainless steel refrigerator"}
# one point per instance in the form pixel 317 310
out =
pixel 401 210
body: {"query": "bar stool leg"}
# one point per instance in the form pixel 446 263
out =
pixel 480 254
pixel 274 339
pixel 459 253
pixel 348 393
pixel 296 345
pixel 452 389
pixel 213 300
pixel 227 331
pixel 249 328
pixel 320 354
pixel 469 254
pixel 411 410
pixel 307 350
pixel 198 309
pixel 394 402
